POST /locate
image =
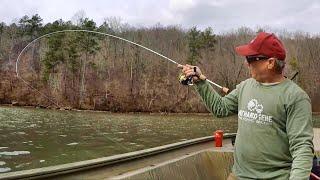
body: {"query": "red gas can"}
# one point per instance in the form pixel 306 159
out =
pixel 218 138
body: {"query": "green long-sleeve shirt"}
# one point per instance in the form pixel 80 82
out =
pixel 274 138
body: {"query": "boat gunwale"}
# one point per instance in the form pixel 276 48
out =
pixel 104 161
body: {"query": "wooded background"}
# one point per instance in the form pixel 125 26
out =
pixel 88 71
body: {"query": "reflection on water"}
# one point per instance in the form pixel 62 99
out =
pixel 13 153
pixel 5 169
pixel 32 138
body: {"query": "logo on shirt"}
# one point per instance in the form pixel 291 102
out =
pixel 254 113
pixel 253 105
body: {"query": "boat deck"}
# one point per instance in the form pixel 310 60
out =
pixel 212 163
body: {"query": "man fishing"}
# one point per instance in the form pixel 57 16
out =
pixel 274 138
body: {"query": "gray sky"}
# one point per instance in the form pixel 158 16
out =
pixel 222 15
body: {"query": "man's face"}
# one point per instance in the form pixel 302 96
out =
pixel 259 69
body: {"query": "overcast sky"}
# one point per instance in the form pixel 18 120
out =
pixel 222 15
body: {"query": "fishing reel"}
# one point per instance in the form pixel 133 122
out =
pixel 187 80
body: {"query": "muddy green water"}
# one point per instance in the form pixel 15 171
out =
pixel 33 138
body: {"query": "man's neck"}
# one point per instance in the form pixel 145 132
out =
pixel 273 79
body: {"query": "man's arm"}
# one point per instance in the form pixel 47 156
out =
pixel 300 134
pixel 218 105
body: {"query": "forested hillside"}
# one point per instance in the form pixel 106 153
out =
pixel 89 71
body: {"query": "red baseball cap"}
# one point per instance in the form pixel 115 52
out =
pixel 265 44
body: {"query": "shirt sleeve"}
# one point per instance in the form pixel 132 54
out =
pixel 300 135
pixel 218 105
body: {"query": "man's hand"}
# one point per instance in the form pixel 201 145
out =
pixel 193 71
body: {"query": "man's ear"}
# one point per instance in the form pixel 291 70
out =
pixel 271 63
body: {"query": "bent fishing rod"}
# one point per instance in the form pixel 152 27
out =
pixel 100 33
pixel 188 80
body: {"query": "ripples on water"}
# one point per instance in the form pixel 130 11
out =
pixel 33 138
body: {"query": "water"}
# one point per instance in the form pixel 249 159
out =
pixel 33 138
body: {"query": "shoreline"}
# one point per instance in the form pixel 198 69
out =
pixel 106 111
pixel 102 111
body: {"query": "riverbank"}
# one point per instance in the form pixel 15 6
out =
pixel 106 111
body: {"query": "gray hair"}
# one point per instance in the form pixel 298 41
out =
pixel 279 66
